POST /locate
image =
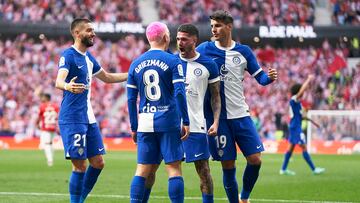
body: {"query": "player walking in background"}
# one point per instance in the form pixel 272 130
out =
pixel 201 74
pixel 47 123
pixel 296 135
pixel 235 125
pixel 158 78
pixel 78 128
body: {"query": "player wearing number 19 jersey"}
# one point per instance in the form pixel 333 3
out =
pixel 158 78
pixel 235 126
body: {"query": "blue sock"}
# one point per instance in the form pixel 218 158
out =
pixel 75 186
pixel 146 195
pixel 250 176
pixel 307 158
pixel 137 189
pixel 286 160
pixel 90 178
pixel 230 185
pixel 176 189
pixel 207 198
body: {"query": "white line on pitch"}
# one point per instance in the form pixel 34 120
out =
pixel 161 197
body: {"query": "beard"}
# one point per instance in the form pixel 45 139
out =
pixel 87 42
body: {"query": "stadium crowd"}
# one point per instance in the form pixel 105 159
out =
pixel 245 12
pixel 29 66
pixel 346 12
pixel 55 11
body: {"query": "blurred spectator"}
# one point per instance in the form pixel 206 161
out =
pixel 244 12
pixel 55 11
pixel 346 12
pixel 28 67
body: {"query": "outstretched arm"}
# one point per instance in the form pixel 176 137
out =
pixel 72 86
pixel 304 86
pixel 216 106
pixel 111 77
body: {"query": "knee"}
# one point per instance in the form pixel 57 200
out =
pixel 79 166
pixel 254 160
pixel 98 163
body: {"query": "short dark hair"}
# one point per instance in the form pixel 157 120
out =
pixel 189 28
pixel 46 95
pixel 295 89
pixel 77 22
pixel 222 16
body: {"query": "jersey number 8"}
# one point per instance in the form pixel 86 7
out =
pixel 152 88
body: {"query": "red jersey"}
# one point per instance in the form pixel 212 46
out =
pixel 48 116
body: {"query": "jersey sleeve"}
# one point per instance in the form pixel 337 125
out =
pixel 96 68
pixel 177 72
pixel 252 65
pixel 64 61
pixel 179 90
pixel 202 48
pixel 294 99
pixel 214 72
pixel 132 92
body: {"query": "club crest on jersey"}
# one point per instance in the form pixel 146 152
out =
pixel 221 153
pixel 197 72
pixel 62 61
pixel 81 151
pixel 236 60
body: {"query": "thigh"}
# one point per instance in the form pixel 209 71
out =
pixel 94 141
pixel 246 136
pixel 222 146
pixel 45 137
pixel 196 147
pixel 296 137
pixel 148 148
pixel 74 140
pixel 171 146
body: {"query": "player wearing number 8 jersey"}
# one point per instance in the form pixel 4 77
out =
pixel 158 78
pixel 47 122
pixel 78 128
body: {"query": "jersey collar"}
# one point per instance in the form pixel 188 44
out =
pixel 84 54
pixel 217 44
pixel 197 55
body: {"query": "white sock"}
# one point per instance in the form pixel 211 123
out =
pixel 49 153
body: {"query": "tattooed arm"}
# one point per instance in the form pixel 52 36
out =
pixel 216 106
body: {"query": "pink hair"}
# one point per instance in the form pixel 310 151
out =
pixel 155 31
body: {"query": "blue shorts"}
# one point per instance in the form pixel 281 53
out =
pixel 240 131
pixel 81 141
pixel 155 146
pixel 296 137
pixel 196 147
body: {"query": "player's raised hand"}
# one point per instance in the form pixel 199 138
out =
pixel 213 129
pixel 311 77
pixel 185 131
pixel 272 74
pixel 134 136
pixel 74 87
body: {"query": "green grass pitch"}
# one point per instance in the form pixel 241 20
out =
pixel 25 177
